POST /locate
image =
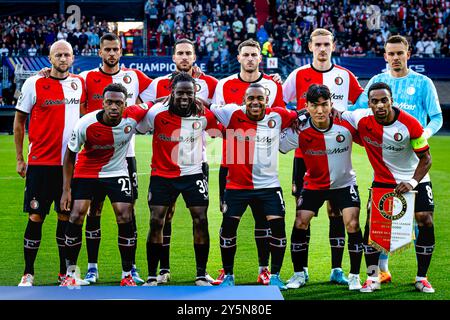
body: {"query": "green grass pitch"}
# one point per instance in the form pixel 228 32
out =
pixel 402 265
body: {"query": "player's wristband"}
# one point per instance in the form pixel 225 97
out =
pixel 413 183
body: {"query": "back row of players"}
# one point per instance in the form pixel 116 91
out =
pixel 180 166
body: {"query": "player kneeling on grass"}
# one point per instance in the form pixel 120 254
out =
pixel 326 145
pixel 101 169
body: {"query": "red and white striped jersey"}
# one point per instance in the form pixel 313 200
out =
pixel 391 148
pixel 177 141
pixel 160 87
pixel 343 85
pixel 232 90
pixel 252 146
pixel 135 81
pixel 105 147
pixel 327 154
pixel 54 108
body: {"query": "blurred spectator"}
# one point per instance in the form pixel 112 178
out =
pixel 32 50
pixel 4 51
pixel 267 49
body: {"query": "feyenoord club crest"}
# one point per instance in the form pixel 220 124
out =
pixel 271 123
pixel 74 85
pixel 127 129
pixel 340 138
pixel 126 79
pixel 338 80
pixel 391 219
pixel 34 204
pixel 411 90
pixel 398 137
pixel 392 206
pixel 196 125
pixel 197 87
pixel 267 91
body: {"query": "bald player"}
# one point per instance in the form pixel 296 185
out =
pixel 53 105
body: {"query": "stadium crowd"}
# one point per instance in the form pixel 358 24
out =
pixel 218 27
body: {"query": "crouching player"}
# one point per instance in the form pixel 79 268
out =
pixel 101 169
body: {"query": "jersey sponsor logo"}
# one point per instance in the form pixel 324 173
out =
pixel 398 136
pixel 272 124
pixel 392 206
pixel 405 106
pixel 74 136
pixel 74 85
pixel 50 102
pixel 196 125
pixel 335 96
pixel 382 145
pixel 338 80
pixel 340 138
pixel 411 90
pixel 97 96
pixel 326 152
pixel 34 204
pixel 109 146
pixel 163 137
pixel 127 129
pixel 126 79
pixel 263 139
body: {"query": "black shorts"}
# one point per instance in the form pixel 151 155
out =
pixel 340 199
pixel 43 185
pixel 165 191
pixel 132 172
pixel 223 172
pixel 424 201
pixel 298 173
pixel 269 201
pixel 118 189
pixel 205 170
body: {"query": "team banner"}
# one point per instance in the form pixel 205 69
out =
pixel 155 66
pixel 391 219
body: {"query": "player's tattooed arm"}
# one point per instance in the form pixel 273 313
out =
pixel 45 72
pixel 276 77
pixel 68 167
pixel 19 133
pixel 197 72
pixel 422 169
pixel 204 103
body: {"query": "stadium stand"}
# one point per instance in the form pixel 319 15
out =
pixel 218 26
